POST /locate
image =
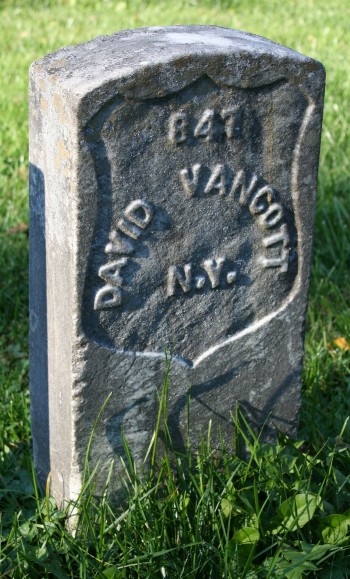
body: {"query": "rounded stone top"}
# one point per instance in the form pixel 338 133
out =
pixel 155 61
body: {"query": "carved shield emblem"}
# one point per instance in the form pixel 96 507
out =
pixel 195 238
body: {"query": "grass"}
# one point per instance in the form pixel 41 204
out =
pixel 285 511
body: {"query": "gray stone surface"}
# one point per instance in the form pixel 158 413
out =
pixel 172 191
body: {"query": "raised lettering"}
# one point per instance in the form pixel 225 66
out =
pixel 233 122
pixel 190 184
pixel 272 216
pixel 178 125
pixel 199 281
pixel 257 206
pixel 184 279
pixel 213 267
pixel 217 181
pixel 133 210
pixel 205 126
pixel 134 222
pixel 137 216
pixel 209 125
pixel 119 245
pixel 244 185
pixel 108 297
pixel 231 277
pixel 110 272
pixel 271 240
pixel 281 261
pixel 129 229
pixel 277 237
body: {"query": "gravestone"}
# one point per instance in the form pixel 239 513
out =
pixel 172 191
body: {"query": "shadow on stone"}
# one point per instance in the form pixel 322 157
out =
pixel 38 343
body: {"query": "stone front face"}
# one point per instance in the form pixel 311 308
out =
pixel 195 226
pixel 178 193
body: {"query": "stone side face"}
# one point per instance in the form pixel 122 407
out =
pixel 51 272
pixel 173 185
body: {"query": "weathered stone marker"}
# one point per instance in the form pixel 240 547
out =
pixel 173 185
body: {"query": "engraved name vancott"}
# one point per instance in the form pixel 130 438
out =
pixel 245 188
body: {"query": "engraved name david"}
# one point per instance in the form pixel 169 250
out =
pixel 136 217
